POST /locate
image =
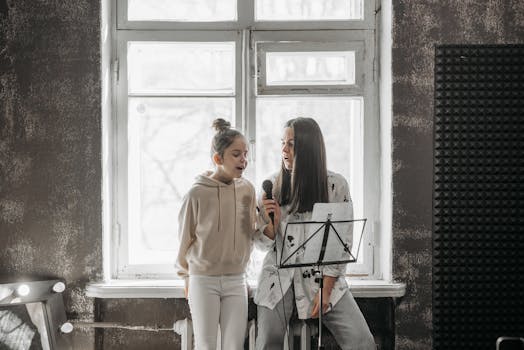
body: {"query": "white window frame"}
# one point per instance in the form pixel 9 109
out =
pixel 247 34
pixel 245 14
pixel 366 85
pixel 282 41
pixel 151 271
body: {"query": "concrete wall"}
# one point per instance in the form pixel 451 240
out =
pixel 160 312
pixel 50 220
pixel 50 166
pixel 417 27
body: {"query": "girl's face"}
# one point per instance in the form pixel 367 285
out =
pixel 288 148
pixel 234 161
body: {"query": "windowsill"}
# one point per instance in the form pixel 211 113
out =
pixel 175 289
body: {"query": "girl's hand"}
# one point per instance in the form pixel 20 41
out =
pixel 186 288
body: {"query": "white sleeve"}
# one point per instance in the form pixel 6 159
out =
pixel 262 241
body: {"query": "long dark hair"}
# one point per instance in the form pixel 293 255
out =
pixel 306 184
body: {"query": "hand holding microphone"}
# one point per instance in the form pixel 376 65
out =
pixel 270 206
pixel 267 186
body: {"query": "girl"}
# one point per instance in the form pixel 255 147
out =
pixel 217 224
pixel 303 180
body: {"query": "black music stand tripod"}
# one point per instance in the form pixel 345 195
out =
pixel 327 228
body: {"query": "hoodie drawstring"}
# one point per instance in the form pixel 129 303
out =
pixel 219 205
pixel 235 225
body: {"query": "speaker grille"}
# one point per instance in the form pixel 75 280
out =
pixel 478 197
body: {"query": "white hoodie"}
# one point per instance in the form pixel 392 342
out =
pixel 216 227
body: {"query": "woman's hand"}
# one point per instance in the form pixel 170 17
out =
pixel 270 206
pixel 186 288
pixel 329 282
pixel 325 304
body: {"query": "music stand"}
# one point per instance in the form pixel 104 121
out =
pixel 325 216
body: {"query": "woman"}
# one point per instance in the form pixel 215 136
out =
pixel 303 181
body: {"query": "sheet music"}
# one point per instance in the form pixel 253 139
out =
pixel 334 248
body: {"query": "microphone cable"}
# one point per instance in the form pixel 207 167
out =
pixel 286 322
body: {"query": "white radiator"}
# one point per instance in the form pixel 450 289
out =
pixel 302 330
pixel 185 329
pixel 298 328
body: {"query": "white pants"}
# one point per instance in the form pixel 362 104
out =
pixel 215 300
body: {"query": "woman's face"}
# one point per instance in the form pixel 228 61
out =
pixel 287 147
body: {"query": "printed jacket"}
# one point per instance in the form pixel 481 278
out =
pixel 273 282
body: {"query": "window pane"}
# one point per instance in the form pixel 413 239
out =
pixel 169 144
pixel 340 119
pixel 181 68
pixel 310 68
pixel 182 10
pixel 308 10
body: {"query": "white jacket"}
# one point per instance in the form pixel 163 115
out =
pixel 273 282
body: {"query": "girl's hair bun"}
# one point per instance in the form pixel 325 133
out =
pixel 221 125
pixel 224 136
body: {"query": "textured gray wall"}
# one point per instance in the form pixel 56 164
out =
pixel 163 313
pixel 417 27
pixel 50 220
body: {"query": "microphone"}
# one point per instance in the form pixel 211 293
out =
pixel 267 186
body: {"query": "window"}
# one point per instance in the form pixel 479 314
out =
pixel 179 64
